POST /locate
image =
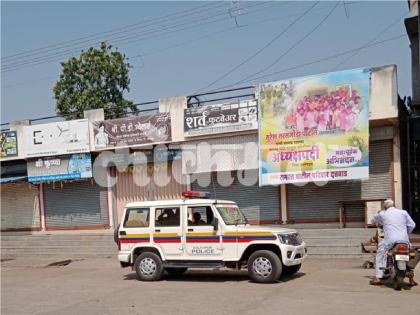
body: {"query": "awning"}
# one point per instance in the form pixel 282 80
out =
pixel 13 179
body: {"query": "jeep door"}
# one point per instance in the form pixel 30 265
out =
pixel 202 240
pixel 135 228
pixel 167 230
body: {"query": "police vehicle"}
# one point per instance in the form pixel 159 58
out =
pixel 199 232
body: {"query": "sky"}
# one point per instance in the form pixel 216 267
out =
pixel 186 52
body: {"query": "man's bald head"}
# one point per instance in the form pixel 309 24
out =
pixel 388 203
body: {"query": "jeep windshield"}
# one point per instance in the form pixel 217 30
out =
pixel 231 214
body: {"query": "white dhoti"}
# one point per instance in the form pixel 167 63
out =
pixel 381 259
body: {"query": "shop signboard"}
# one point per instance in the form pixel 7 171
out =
pixel 315 128
pixel 133 131
pixel 56 168
pixel 8 142
pixel 57 138
pixel 213 119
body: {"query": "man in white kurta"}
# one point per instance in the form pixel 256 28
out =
pixel 397 224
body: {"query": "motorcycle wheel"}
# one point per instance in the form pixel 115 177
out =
pixel 398 280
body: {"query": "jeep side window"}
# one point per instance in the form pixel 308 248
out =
pixel 136 218
pixel 167 216
pixel 200 215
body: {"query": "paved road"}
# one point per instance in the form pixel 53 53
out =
pixel 100 286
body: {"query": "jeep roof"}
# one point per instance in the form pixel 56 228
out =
pixel 174 202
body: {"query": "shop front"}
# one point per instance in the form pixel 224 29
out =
pixel 139 164
pixel 20 209
pixel 324 199
pixel 71 199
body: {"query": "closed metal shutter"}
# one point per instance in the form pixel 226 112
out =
pixel 19 206
pixel 79 203
pixel 148 182
pixel 258 203
pixel 312 201
pixel 379 185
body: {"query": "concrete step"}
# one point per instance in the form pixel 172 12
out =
pixel 320 242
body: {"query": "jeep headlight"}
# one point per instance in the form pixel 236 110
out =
pixel 290 239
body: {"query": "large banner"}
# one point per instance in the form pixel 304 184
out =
pixel 223 118
pixel 8 142
pixel 57 168
pixel 315 128
pixel 64 137
pixel 131 131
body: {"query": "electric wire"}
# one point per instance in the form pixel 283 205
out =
pixel 298 42
pixel 260 50
pixel 131 38
pixel 229 88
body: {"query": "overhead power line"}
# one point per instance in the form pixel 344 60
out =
pixel 112 31
pixel 249 58
pixel 230 88
pixel 372 40
pixel 132 37
pixel 344 53
pixel 293 46
pixel 184 43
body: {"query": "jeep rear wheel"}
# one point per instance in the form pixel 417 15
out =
pixel 148 267
pixel 264 266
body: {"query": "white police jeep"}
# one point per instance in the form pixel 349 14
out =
pixel 195 232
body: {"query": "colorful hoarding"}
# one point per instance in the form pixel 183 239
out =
pixel 58 168
pixel 132 131
pixel 8 143
pixel 213 119
pixel 315 128
pixel 64 137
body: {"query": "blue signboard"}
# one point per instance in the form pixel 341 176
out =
pixel 58 168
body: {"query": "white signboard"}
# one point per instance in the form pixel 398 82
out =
pixel 64 137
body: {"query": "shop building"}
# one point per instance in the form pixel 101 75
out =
pixel 312 202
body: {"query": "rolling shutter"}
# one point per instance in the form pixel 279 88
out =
pixel 258 203
pixel 19 206
pixel 379 185
pixel 311 201
pixel 78 203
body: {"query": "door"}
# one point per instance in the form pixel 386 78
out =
pixel 135 228
pixel 167 230
pixel 202 241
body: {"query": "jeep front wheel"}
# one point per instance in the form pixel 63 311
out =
pixel 148 267
pixel 264 266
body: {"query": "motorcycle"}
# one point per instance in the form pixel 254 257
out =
pixel 401 261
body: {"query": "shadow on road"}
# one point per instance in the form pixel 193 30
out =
pixel 389 284
pixel 214 276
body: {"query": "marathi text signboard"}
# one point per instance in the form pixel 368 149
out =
pixel 8 142
pixel 64 137
pixel 131 131
pixel 57 168
pixel 213 119
pixel 315 128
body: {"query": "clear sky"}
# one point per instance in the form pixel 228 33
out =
pixel 183 53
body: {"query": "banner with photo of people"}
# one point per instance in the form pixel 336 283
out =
pixel 315 128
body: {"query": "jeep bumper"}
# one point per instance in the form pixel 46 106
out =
pixel 293 255
pixel 124 257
